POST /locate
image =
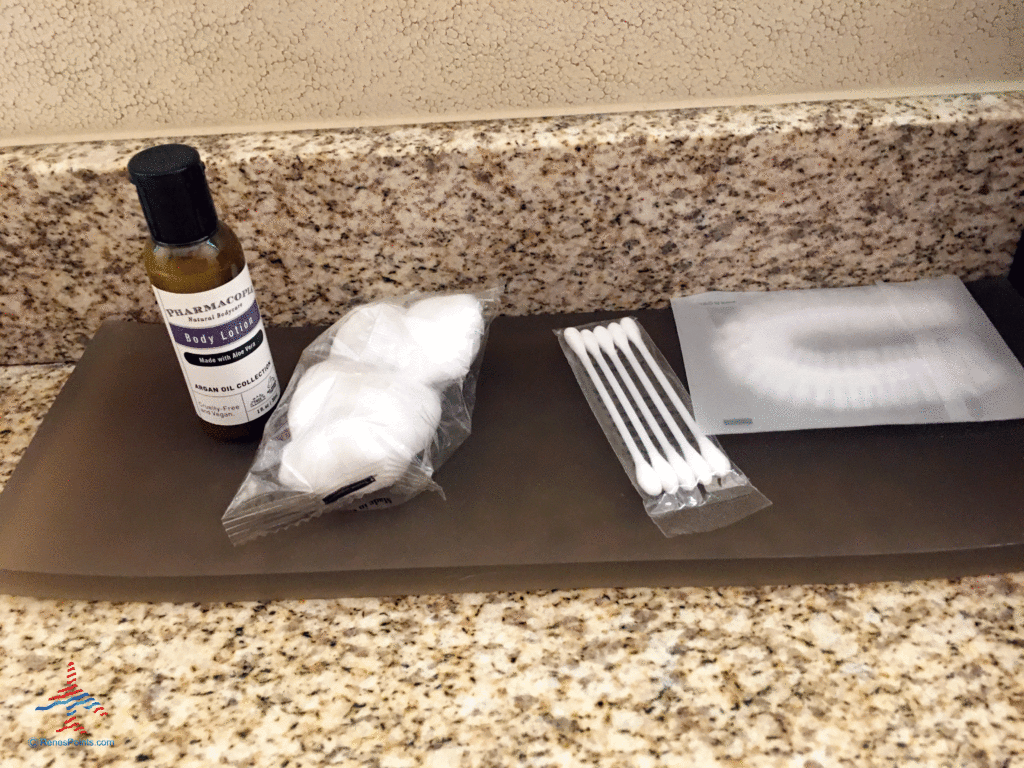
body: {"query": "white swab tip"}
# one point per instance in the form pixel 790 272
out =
pixel 719 462
pixel 618 335
pixel 591 343
pixel 575 341
pixel 632 329
pixel 647 479
pixel 667 475
pixel 604 338
pixel 687 478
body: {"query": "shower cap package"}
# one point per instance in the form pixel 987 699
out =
pixel 918 352
pixel 376 404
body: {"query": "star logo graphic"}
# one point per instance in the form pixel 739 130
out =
pixel 73 698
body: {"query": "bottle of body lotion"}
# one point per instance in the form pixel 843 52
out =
pixel 201 280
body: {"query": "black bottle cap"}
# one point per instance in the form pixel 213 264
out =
pixel 174 194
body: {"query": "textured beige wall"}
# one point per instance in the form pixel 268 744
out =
pixel 136 68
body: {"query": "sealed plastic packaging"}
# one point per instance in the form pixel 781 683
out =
pixel 376 404
pixel 687 483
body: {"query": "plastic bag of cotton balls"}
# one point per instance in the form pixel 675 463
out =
pixel 376 403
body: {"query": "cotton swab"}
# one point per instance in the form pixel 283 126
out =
pixel 646 477
pixel 719 462
pixel 667 475
pixel 697 463
pixel 686 476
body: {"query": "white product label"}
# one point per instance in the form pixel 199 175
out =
pixel 219 339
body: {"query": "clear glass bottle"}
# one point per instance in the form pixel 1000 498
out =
pixel 199 275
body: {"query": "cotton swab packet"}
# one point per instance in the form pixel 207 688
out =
pixel 377 402
pixel 687 483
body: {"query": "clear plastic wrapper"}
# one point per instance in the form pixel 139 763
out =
pixel 376 404
pixel 687 483
pixel 918 352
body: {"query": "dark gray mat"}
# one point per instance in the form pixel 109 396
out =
pixel 120 494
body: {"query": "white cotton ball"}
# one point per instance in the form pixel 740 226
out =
pixel 317 386
pixel 435 340
pixel 369 425
pixel 376 334
pixel 352 452
pixel 406 412
pixel 449 330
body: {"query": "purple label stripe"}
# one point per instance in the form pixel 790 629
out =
pixel 215 336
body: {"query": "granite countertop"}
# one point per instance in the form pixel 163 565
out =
pixel 928 673
pixel 570 214
pixel 609 212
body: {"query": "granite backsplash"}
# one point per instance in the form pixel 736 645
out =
pixel 570 214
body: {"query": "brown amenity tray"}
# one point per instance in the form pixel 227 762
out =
pixel 120 494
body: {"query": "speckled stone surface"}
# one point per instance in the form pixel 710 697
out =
pixel 580 213
pixel 924 673
pixel 26 392
pixel 571 214
pixel 889 675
